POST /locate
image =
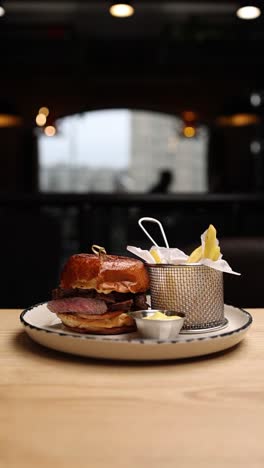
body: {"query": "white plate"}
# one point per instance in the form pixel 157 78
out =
pixel 45 328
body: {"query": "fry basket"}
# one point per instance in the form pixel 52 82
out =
pixel 196 290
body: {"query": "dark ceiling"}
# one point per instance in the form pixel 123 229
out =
pixel 83 32
pixel 184 54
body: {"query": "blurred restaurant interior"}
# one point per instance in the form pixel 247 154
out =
pixel 105 119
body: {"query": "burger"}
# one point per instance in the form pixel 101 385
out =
pixel 96 292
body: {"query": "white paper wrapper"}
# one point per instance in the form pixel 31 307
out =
pixel 219 264
pixel 143 254
pixel 172 256
pixel 175 256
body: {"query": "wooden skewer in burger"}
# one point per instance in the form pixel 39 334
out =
pixel 97 291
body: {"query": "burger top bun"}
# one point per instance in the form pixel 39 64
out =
pixel 105 273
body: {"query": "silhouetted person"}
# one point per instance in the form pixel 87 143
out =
pixel 162 185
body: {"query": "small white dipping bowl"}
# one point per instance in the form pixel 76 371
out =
pixel 158 329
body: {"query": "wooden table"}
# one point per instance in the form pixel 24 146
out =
pixel 63 411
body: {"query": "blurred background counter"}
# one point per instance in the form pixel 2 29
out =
pixel 39 232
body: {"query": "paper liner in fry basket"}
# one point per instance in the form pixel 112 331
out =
pixel 208 254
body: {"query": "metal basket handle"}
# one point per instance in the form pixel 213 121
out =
pixel 153 220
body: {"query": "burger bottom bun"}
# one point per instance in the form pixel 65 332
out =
pixel 122 323
pixel 103 331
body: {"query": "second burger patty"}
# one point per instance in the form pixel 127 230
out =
pixel 114 301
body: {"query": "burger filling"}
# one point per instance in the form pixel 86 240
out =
pixel 88 302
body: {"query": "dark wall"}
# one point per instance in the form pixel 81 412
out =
pixel 18 169
pixel 231 164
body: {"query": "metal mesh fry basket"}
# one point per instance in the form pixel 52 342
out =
pixel 196 290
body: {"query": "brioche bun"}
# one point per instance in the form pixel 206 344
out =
pixel 113 324
pixel 105 273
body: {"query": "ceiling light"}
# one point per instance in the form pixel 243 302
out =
pixel 121 10
pixel 248 10
pixel 2 10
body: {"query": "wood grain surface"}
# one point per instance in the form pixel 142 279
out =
pixel 63 411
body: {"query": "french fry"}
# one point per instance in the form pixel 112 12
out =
pixel 216 254
pixel 155 255
pixel 196 255
pixel 210 243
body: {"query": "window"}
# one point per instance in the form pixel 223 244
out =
pixel 121 150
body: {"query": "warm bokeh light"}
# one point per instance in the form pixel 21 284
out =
pixel 189 132
pixel 248 12
pixel 2 11
pixel 237 120
pixel 8 120
pixel 44 110
pixel 121 10
pixel 189 116
pixel 41 120
pixel 50 131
